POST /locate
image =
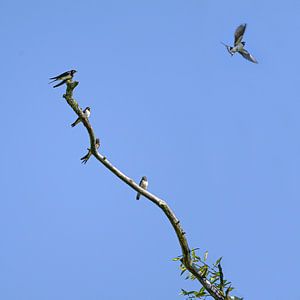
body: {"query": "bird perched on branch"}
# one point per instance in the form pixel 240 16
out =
pixel 143 184
pixel 87 112
pixel 239 44
pixel 64 77
pixel 88 155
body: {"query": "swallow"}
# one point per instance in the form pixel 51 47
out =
pixel 143 184
pixel 239 44
pixel 87 112
pixel 88 155
pixel 64 77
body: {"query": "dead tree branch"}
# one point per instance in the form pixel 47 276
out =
pixel 186 257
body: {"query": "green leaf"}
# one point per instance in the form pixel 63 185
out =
pixel 213 279
pixel 186 293
pixel 192 277
pixel 205 255
pixel 203 270
pixel 195 258
pixel 229 290
pixel 182 267
pixel 183 292
pixel 218 261
pixel 221 276
pixel 200 294
pixel 176 258
pixel 193 253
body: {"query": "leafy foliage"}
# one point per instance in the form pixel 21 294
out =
pixel 213 273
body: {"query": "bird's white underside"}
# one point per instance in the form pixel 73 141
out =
pixel 144 184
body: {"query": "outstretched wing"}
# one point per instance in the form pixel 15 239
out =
pixel 239 33
pixel 248 56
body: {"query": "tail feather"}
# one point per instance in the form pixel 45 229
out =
pixel 86 157
pixel 54 79
pixel 138 196
pixel 76 122
pixel 228 48
pixel 59 84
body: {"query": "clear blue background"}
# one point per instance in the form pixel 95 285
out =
pixel 217 136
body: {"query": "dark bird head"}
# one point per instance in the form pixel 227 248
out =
pixel 144 178
pixel 229 48
pixel 72 72
pixel 88 108
pixel 243 43
pixel 97 143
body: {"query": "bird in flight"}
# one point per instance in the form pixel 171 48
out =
pixel 239 44
pixel 87 113
pixel 88 155
pixel 143 184
pixel 64 77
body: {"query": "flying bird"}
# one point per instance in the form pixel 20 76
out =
pixel 239 44
pixel 88 155
pixel 87 112
pixel 64 77
pixel 143 184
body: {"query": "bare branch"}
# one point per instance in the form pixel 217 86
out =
pixel 186 257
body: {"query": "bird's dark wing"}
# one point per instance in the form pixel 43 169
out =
pixel 60 76
pixel 140 184
pixel 138 194
pixel 239 33
pixel 248 56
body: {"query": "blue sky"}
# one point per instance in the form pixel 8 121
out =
pixel 217 137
